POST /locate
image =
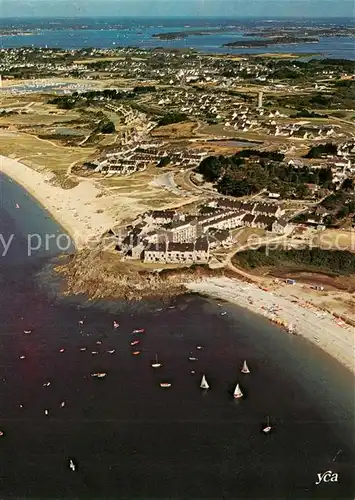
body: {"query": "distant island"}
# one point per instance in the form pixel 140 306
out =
pixel 179 35
pixel 283 40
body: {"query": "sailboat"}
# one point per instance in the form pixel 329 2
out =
pixel 268 427
pixel 156 364
pixel 245 368
pixel 204 384
pixel 237 392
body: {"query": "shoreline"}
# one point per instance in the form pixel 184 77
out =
pixel 66 206
pixel 321 328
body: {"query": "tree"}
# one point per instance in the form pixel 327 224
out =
pixel 210 168
pixel 302 191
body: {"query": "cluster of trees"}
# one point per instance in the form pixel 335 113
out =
pixel 105 126
pixel 341 204
pixel 174 117
pixel 335 261
pixel 241 175
pixel 164 162
pixel 322 149
pixel 89 97
pixel 304 113
pixel 144 89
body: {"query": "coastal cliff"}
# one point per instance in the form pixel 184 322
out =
pixel 100 275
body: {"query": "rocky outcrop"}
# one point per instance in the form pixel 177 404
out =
pixel 101 275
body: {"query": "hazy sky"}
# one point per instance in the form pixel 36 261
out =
pixel 177 8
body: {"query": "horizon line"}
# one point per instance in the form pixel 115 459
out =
pixel 175 17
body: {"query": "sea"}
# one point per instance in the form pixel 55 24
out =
pixel 124 32
pixel 130 438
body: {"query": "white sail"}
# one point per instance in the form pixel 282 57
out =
pixel 204 383
pixel 237 392
pixel 245 368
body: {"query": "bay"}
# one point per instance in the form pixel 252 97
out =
pixel 130 437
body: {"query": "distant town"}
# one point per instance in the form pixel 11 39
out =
pixel 230 145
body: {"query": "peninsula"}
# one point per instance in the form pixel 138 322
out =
pixel 173 179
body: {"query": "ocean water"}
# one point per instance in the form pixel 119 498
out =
pixel 120 32
pixel 133 439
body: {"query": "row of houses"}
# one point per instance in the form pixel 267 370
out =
pixel 171 252
pixel 134 159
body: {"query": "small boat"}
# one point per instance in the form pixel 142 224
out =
pixel 245 368
pixel 46 412
pixel 72 465
pixel 223 313
pixel 140 330
pixel 112 351
pixel 165 384
pixel 99 342
pixel 46 384
pixel 136 353
pixel 204 384
pixel 1 433
pixel 268 427
pixel 17 205
pixel 94 352
pixel 156 364
pixel 192 372
pixel 61 350
pixel 135 342
pixel 237 392
pixel 199 347
pixel 83 349
pixel 192 358
pixel 158 310
pixel 27 332
pixel 115 325
pixel 22 357
pixel 171 307
pixel 62 404
pixel 99 375
pixel 81 322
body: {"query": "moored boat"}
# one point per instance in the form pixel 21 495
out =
pixel 135 342
pixel 99 374
pixel 136 353
pixel 268 427
pixel 156 364
pixel 237 392
pixel 245 368
pixel 140 330
pixel 204 384
pixel 165 384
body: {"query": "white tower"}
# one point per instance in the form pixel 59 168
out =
pixel 260 100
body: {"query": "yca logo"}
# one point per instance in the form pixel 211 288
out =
pixel 327 477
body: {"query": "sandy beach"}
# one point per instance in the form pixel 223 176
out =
pixel 76 209
pixel 321 328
